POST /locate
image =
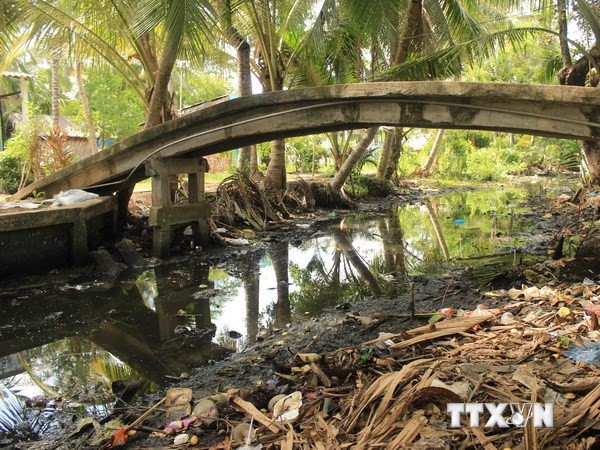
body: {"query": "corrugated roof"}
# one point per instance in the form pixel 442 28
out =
pixel 13 74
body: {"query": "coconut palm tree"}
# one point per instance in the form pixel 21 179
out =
pixel 274 29
pixel 396 34
pixel 13 37
pixel 140 39
pixel 247 162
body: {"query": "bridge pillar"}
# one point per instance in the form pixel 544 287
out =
pixel 164 213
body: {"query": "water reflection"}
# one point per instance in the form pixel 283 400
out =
pixel 163 322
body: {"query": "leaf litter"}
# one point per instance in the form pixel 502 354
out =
pixel 392 392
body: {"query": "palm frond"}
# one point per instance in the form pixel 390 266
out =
pixel 449 62
pixel 12 50
pixel 52 18
pixel 189 22
pixel 590 17
pixel 551 64
pixel 460 20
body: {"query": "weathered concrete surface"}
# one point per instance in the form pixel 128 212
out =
pixel 34 241
pixel 10 366
pixel 556 111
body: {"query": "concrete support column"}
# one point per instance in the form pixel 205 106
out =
pixel 164 214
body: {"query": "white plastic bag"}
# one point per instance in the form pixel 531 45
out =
pixel 73 196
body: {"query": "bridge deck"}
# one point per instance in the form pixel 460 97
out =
pixel 556 111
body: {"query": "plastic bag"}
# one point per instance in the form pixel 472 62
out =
pixel 73 196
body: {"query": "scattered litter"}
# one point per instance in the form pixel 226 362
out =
pixel 287 409
pixel 181 439
pixel 206 411
pixel 24 205
pixel 588 353
pixel 507 318
pixel 237 242
pixel 248 439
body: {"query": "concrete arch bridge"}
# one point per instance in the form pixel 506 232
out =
pixel 177 146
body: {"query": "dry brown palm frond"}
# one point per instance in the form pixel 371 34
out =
pixel 241 200
pixel 298 195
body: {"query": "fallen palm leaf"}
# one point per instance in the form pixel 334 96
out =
pixel 250 409
pixel 287 409
pixel 446 328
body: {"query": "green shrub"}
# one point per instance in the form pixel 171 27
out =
pixel 10 172
pixel 369 186
pixel 453 161
pixel 302 150
pixel 479 139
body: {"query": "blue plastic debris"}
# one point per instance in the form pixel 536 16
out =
pixel 459 222
pixel 592 194
pixel 585 353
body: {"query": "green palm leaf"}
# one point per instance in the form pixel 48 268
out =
pixel 448 62
pixel 590 16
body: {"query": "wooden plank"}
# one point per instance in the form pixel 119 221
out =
pixel 178 214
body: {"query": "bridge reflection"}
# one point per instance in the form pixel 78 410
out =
pixel 162 335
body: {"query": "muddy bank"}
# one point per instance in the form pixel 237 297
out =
pixel 352 315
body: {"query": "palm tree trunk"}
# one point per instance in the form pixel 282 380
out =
pixel 433 153
pixel 342 175
pixel 253 160
pixel 86 107
pixel 591 150
pixel 561 6
pixel 276 177
pixel 244 163
pixel 55 54
pixel 399 55
pixel 345 245
pixel 390 229
pixel 251 279
pixel 160 100
pixel 384 157
pixel 282 308
pixel 395 149
pixel 437 228
pixel 410 31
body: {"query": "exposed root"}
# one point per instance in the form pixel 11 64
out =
pixel 326 197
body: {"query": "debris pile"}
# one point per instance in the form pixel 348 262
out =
pixel 393 392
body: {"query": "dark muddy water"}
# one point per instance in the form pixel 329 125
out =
pixel 160 323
